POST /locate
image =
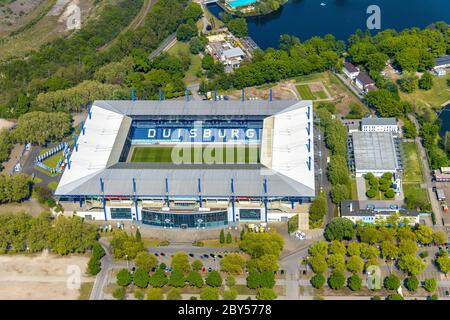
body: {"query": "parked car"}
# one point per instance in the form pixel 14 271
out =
pixel 209 269
pixel 163 254
pixel 191 255
pixel 157 254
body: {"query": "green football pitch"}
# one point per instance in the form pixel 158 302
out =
pixel 241 154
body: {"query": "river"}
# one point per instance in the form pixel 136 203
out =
pixel 307 18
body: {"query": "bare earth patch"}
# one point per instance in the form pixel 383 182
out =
pixel 40 277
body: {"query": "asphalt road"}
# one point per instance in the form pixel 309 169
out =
pixel 427 173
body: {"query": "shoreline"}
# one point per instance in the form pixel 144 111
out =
pixel 239 14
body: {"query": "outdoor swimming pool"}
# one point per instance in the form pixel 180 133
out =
pixel 240 3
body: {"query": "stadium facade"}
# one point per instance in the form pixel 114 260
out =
pixel 117 169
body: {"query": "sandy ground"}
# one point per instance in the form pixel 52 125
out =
pixel 284 90
pixel 31 206
pixel 41 277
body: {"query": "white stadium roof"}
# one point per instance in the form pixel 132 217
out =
pixel 285 168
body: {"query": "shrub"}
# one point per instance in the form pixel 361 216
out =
pixel 336 281
pixel 174 294
pixel 318 280
pixel 430 284
pixel 266 294
pixel 390 194
pixel 214 279
pixel 197 265
pixel 138 294
pixel 124 278
pixel 209 293
pixel 119 293
pixel 371 193
pixel 412 283
pixel 392 282
pixel 222 236
pixel 155 294
pixel 140 278
pixel 354 283
pixel 394 296
pixel 230 281
pixel 230 294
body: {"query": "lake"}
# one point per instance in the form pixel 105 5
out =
pixel 445 118
pixel 307 18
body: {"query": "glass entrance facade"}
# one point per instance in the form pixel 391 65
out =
pixel 185 220
pixel 120 213
pixel 250 214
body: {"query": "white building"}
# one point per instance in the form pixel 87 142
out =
pixel 380 125
pixel 232 57
pixel 379 211
pixel 350 70
pixel 364 82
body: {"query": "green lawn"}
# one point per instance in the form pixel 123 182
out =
pixel 305 92
pixel 196 62
pixel 164 154
pixel 436 97
pixel 321 94
pixel 53 160
pixel 412 172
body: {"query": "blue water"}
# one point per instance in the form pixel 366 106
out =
pixel 445 120
pixel 307 18
pixel 240 3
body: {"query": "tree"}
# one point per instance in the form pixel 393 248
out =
pixel 174 294
pixel 336 261
pixel 389 250
pixel 229 239
pixel 238 27
pixel 155 294
pixel 440 237
pixel 258 244
pixel 426 82
pixel 125 246
pixel 94 266
pixel 424 234
pixel 318 280
pixel 40 127
pixel 407 246
pixel 196 45
pixel 390 194
pixel 355 264
pixel 368 251
pixel 354 283
pixel 119 293
pixel 195 279
pixel 253 279
pixel 338 247
pixel 318 209
pixel 266 294
pixel 230 281
pixel 209 293
pixel 319 248
pixel 15 188
pixel 394 296
pixel 214 279
pixel 339 193
pixel 318 263
pixel 180 262
pixel 138 294
pixel 230 294
pixel 267 279
pixel 176 279
pixel 158 279
pixel 193 11
pixel 336 281
pixel 412 283
pixel 354 249
pixel 408 83
pixel 146 261
pixel 430 284
pixel 392 282
pixel 339 229
pixel 222 236
pixel 233 263
pixel 186 31
pixel 124 278
pixel 443 261
pixel 405 233
pixel 141 278
pixel 371 193
pixel 197 265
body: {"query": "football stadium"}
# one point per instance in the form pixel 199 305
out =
pixel 191 164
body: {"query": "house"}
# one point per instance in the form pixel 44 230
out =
pixel 378 211
pixel 364 82
pixel 442 175
pixel 350 70
pixel 380 125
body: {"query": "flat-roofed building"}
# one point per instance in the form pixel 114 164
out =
pixel 376 152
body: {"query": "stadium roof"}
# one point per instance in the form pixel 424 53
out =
pixel 106 130
pixel 379 122
pixel 374 151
